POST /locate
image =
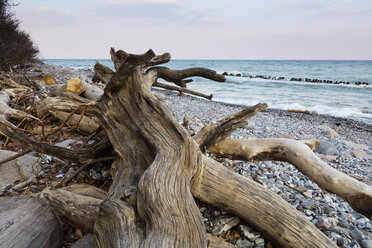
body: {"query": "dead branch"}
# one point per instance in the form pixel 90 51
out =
pixel 211 134
pixel 357 194
pixel 177 76
pixel 180 89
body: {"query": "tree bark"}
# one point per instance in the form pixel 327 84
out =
pixel 26 221
pixel 76 209
pixel 267 212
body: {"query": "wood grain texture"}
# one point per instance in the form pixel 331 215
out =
pixel 276 219
pixel 26 221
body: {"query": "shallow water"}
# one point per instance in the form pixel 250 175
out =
pixel 348 101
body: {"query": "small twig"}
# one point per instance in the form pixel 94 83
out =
pixel 14 157
pixel 31 83
pixel 96 132
pixel 23 184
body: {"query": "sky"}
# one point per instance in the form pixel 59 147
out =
pixel 200 29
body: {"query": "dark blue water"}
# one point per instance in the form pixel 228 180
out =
pixel 349 101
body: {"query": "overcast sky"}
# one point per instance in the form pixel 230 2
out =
pixel 201 29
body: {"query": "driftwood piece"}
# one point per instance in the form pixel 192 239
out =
pixel 211 134
pixel 182 90
pixel 78 210
pixel 276 219
pixel 26 221
pixel 86 155
pixel 177 76
pixel 83 123
pixel 357 194
pixel 6 111
pixel 103 72
pixel 91 92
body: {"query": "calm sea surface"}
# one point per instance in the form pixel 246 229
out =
pixel 349 101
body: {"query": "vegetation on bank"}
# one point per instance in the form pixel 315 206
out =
pixel 16 46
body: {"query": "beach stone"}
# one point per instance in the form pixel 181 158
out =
pixel 224 223
pixel 326 148
pixel 307 194
pixel 94 175
pixel 355 145
pixel 325 128
pixel 259 242
pixel 366 243
pixel 245 230
pixel 308 204
pixel 244 243
pixel 323 223
pixel 357 235
pixel 359 154
pixel 65 143
pixel 19 169
pixel 341 241
pixel 85 242
pixel 331 133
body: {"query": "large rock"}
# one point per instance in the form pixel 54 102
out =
pixel 326 148
pixel 19 169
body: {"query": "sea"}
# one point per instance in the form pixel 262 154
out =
pixel 341 88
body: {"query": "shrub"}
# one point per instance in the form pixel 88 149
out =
pixel 16 46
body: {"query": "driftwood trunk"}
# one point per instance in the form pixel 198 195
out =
pixel 26 221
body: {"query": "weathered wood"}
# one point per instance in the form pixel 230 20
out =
pixel 276 219
pixel 86 155
pixel 216 242
pixel 161 151
pixel 6 112
pixel 357 194
pixel 211 134
pixel 91 92
pixel 177 76
pixel 183 90
pixel 103 72
pixel 26 221
pixel 78 210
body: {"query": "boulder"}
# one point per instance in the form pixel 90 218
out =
pixel 326 148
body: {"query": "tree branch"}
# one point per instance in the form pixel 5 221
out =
pixel 177 76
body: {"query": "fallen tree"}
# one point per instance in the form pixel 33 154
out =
pixel 160 169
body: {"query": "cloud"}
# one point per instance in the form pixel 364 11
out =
pixel 46 16
pixel 152 12
pixel 124 2
pixel 308 4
